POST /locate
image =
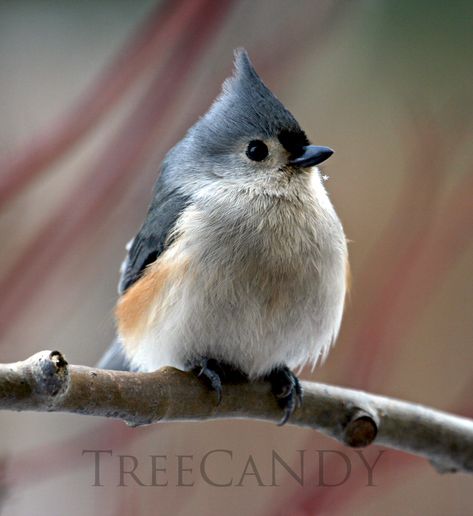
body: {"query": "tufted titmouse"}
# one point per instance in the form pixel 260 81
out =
pixel 241 262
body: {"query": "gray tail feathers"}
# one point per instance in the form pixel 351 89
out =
pixel 114 358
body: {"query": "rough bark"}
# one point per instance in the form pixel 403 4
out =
pixel 46 382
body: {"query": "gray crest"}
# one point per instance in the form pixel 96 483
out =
pixel 246 108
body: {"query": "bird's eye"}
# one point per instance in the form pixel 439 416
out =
pixel 257 150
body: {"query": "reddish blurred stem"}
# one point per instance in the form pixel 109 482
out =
pixel 420 271
pixel 328 500
pixel 115 169
pixel 48 147
pixel 450 238
pixel 401 248
pixel 56 458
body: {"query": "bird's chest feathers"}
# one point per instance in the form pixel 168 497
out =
pixel 238 258
pixel 265 244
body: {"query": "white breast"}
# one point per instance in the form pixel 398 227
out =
pixel 265 284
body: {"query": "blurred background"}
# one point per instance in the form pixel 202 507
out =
pixel 92 95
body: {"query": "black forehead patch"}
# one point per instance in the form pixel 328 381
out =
pixel 293 141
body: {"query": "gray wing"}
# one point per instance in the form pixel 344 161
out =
pixel 167 205
pixel 150 242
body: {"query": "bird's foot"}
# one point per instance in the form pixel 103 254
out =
pixel 287 389
pixel 214 371
pixel 210 369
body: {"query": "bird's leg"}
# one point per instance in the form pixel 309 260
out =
pixel 211 371
pixel 287 389
pixel 215 371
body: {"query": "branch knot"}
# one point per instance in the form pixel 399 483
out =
pixel 50 373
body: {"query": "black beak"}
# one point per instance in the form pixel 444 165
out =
pixel 312 155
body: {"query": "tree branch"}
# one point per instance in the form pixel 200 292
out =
pixel 45 382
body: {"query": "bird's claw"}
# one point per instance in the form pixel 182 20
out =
pixel 288 391
pixel 208 369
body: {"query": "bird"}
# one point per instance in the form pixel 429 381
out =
pixel 241 264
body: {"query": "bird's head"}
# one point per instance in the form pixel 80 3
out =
pixel 248 134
